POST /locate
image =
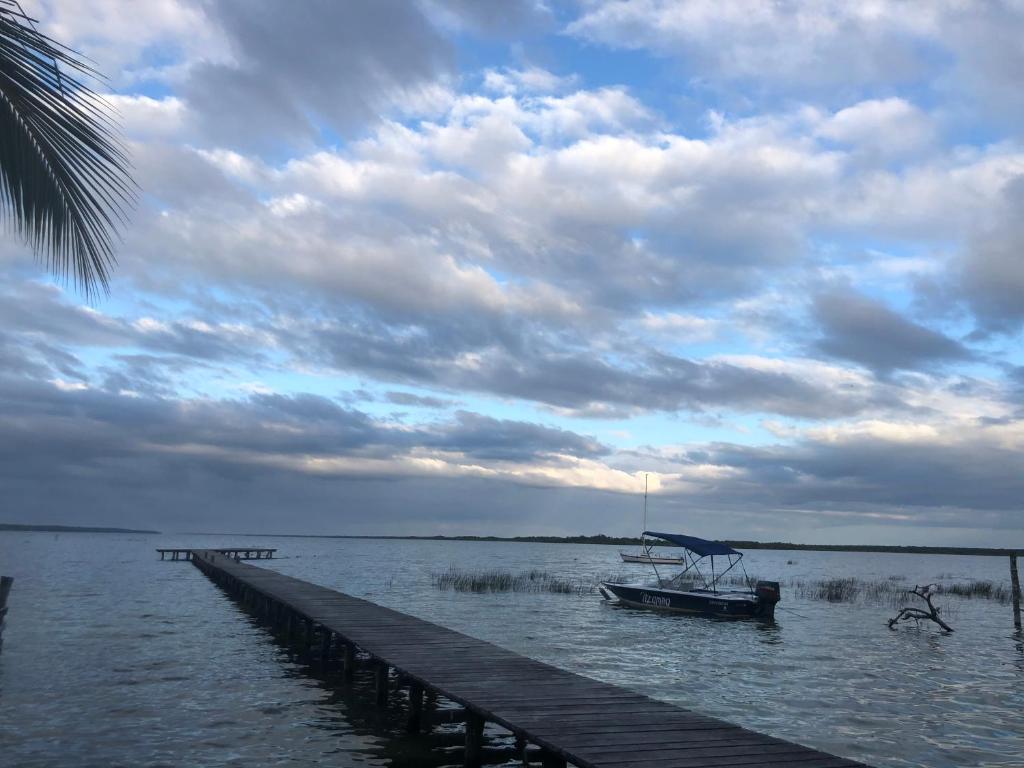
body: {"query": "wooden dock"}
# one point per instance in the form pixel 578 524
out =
pixel 571 718
pixel 237 553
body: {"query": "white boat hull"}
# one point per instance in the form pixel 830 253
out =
pixel 628 557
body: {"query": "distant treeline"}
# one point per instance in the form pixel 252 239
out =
pixel 910 550
pixel 68 529
pixel 598 539
pixel 625 541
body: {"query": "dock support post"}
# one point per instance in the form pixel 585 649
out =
pixel 429 708
pixel 412 725
pixel 520 749
pixel 1015 590
pixel 308 641
pixel 325 646
pixel 350 662
pixel 551 760
pixel 474 739
pixel 381 679
pixel 6 582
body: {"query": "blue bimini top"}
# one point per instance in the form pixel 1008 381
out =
pixel 701 547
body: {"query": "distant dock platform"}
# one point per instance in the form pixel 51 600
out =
pixel 236 553
pixel 556 716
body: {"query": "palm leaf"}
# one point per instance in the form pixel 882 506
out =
pixel 64 180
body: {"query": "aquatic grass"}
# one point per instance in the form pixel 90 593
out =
pixel 832 590
pixel 988 590
pixel 892 590
pixel 493 580
pixel 889 591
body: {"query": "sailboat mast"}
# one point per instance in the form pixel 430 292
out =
pixel 645 501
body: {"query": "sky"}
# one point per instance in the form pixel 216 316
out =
pixel 448 267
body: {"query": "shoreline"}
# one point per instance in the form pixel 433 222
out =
pixel 29 528
pixel 600 539
pixel 626 541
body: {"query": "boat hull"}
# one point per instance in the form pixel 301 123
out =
pixel 733 605
pixel 650 559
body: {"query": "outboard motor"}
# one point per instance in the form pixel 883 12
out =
pixel 768 595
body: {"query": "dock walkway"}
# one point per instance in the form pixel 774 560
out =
pixel 238 553
pixel 573 719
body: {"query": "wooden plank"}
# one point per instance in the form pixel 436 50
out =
pixel 818 760
pixel 619 741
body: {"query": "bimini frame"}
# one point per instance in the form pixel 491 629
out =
pixel 691 563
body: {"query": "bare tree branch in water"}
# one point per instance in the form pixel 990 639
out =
pixel 919 614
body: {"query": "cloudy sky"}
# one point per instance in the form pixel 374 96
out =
pixel 459 267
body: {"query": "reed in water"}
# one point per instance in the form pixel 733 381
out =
pixel 886 591
pixel 506 581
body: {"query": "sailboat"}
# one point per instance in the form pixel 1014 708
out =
pixel 645 555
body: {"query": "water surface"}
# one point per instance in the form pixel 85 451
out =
pixel 113 657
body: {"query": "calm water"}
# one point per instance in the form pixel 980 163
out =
pixel 112 657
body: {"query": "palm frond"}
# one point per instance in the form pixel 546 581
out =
pixel 64 173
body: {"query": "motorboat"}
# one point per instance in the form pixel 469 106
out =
pixel 695 589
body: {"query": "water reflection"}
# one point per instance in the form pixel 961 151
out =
pixel 350 705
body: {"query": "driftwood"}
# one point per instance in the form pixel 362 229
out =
pixel 917 614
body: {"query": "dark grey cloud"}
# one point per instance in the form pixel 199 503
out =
pixel 555 372
pixel 493 19
pixel 991 273
pixel 100 442
pixel 499 354
pixel 16 360
pixel 154 375
pixel 41 320
pixel 863 330
pixel 95 457
pixel 919 477
pixel 43 311
pixel 485 437
pixel 300 68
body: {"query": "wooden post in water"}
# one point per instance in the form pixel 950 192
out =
pixel 349 661
pixel 412 725
pixel 520 749
pixel 6 582
pixel 381 678
pixel 1015 589
pixel 474 740
pixel 325 646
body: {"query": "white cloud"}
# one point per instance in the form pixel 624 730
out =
pixel 887 128
pixel 146 119
pixel 686 329
pixel 509 82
